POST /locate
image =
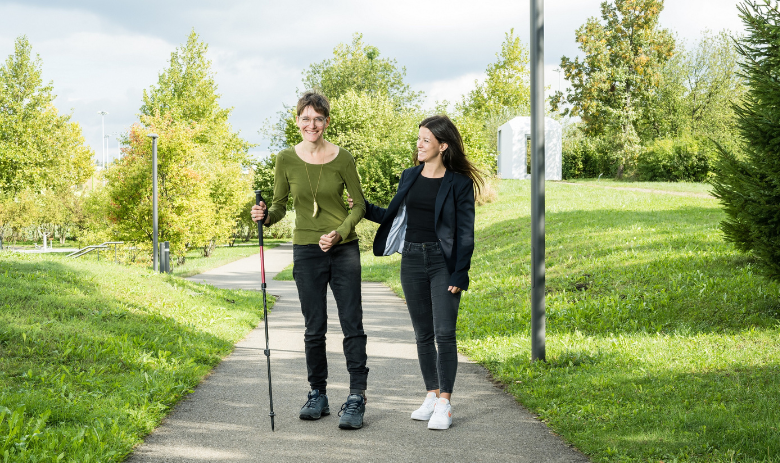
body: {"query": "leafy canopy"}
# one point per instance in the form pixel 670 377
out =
pixel 624 57
pixel 699 87
pixel 504 94
pixel 39 148
pixel 358 67
pixel 202 187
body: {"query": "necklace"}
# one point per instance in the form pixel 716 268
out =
pixel 314 192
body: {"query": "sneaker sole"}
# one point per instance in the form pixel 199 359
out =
pixel 439 427
pixel 325 412
pixel 421 417
pixel 349 426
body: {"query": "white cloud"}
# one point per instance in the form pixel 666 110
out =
pixel 102 55
pixel 451 90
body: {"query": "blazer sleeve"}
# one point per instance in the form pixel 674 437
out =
pixel 377 214
pixel 464 216
pixel 374 213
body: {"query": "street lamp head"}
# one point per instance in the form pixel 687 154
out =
pixel 152 135
pixel 102 113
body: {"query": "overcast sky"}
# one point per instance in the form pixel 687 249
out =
pixel 100 55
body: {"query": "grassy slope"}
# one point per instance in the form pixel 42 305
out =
pixel 661 338
pixel 92 355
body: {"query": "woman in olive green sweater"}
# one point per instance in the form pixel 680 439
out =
pixel 325 252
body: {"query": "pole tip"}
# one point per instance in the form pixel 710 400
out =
pixel 152 135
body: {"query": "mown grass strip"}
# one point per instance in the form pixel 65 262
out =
pixel 93 355
pixel 661 338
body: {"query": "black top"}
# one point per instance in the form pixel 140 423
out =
pixel 454 220
pixel 421 205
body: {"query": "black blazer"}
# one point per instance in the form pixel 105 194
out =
pixel 453 221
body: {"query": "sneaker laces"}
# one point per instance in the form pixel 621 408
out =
pixel 350 407
pixel 312 402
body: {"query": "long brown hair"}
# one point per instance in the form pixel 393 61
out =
pixel 454 157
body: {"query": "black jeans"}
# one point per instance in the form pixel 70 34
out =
pixel 434 313
pixel 313 270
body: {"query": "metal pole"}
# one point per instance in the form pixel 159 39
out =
pixel 153 136
pixel 537 181
pixel 258 200
pixel 103 134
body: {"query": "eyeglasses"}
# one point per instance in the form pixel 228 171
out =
pixel 318 121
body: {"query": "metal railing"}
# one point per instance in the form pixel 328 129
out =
pixel 87 249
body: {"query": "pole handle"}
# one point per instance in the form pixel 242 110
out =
pixel 258 199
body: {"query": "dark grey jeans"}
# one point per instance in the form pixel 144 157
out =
pixel 434 313
pixel 313 271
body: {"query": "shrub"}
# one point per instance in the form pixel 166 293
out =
pixel 282 229
pixel 588 157
pixel 366 230
pixel 675 160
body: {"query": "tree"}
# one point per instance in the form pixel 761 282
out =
pixel 749 186
pixel 698 90
pixel 504 94
pixel 197 200
pixel 202 187
pixel 612 84
pixel 39 149
pixel 358 67
pixel 507 86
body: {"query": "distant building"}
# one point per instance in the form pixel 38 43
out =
pixel 514 143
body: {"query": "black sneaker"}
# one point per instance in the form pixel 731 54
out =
pixel 315 407
pixel 352 412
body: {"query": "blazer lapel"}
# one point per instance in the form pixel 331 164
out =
pixel 444 190
pixel 403 189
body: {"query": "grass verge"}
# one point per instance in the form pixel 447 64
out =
pixel 93 355
pixel 661 339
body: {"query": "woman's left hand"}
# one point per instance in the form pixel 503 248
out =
pixel 454 289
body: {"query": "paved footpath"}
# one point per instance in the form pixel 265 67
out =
pixel 226 418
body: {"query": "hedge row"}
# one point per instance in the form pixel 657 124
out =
pixel 673 160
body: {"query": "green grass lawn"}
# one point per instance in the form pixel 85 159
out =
pixel 94 354
pixel 661 339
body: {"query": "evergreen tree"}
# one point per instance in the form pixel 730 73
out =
pixel 749 185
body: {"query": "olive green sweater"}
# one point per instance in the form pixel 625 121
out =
pixel 332 214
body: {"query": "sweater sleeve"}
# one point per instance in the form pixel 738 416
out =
pixel 352 181
pixel 278 207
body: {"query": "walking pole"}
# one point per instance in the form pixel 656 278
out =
pixel 258 198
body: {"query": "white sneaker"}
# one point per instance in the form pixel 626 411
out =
pixel 426 409
pixel 442 415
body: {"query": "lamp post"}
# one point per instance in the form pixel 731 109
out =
pixel 103 134
pixel 153 136
pixel 537 181
pixel 105 148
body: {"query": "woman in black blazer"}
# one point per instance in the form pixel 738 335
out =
pixel 431 222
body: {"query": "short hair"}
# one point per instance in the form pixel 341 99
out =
pixel 317 101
